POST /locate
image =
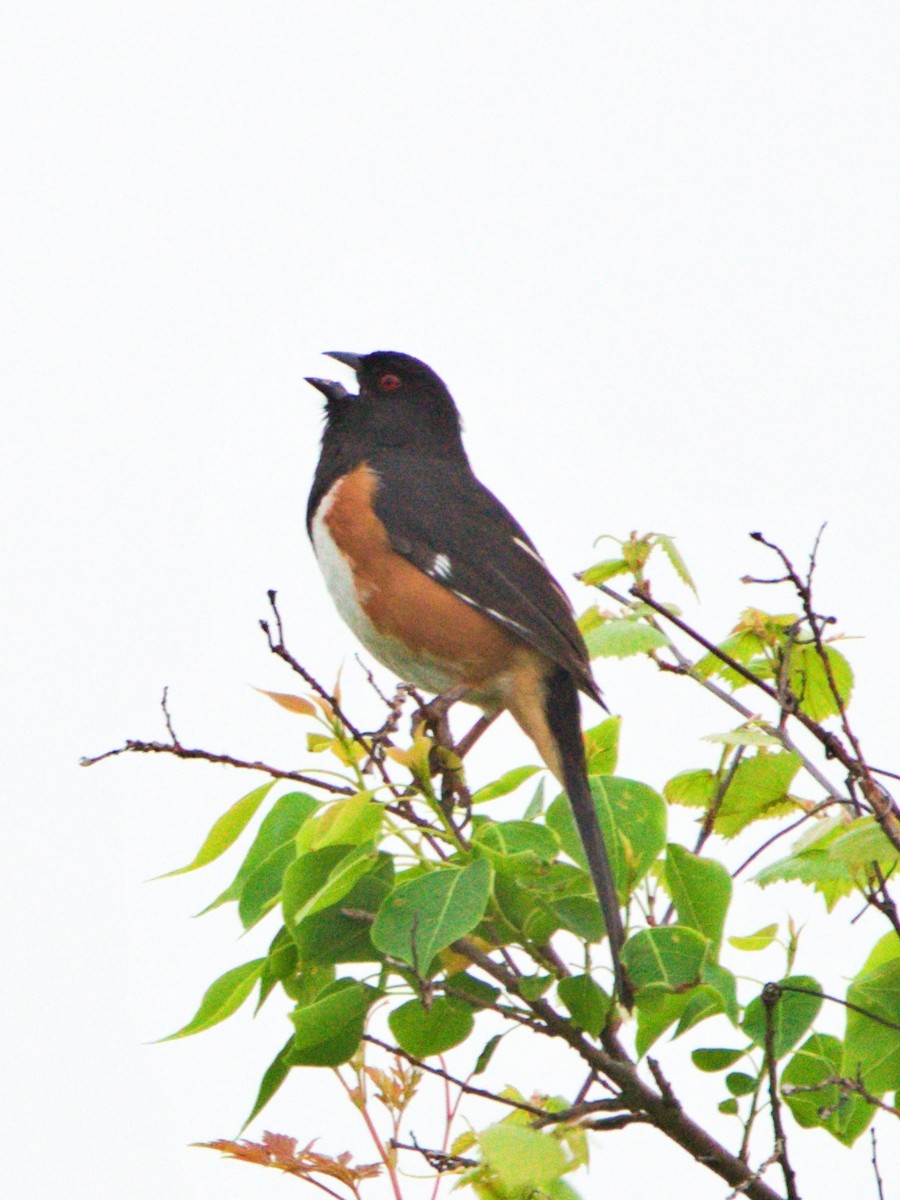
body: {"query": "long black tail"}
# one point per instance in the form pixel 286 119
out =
pixel 564 718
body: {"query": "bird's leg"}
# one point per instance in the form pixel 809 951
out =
pixel 436 718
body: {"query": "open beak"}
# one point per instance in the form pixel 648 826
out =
pixel 354 361
pixel 331 390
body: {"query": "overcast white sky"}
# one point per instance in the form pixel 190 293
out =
pixel 652 248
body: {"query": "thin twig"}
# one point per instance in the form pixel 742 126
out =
pixel 770 996
pixel 878 1180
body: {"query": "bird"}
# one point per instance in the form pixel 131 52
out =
pixel 443 586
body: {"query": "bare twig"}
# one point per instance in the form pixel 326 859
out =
pixel 878 1180
pixel 770 996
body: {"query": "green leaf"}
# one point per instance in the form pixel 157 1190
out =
pixel 350 822
pixel 276 835
pixel 425 1031
pixel 521 1159
pixel 792 1014
pixel 422 916
pixel 810 862
pixel 536 803
pixel 633 819
pixel 670 957
pixel 582 916
pixel 328 936
pixel 622 637
pixel 667 545
pixel 810 684
pixel 321 878
pixel 739 1083
pixel 588 1004
pixel 716 1060
pixel 329 1031
pixel 532 987
pixel 600 572
pixel 694 789
pixel 870 1048
pixel 507 783
pixel 487 1054
pixel 862 843
pixel 758 790
pixel 226 830
pixel 275 1075
pixel 744 735
pixel 729 1107
pixel 222 998
pixel 846 1115
pixel 518 837
pixel 761 940
pixel 475 992
pixel 701 891
pixel 281 961
pixel 657 1011
pixel 601 746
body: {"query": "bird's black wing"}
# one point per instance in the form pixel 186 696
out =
pixel 444 521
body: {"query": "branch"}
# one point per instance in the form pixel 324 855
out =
pixel 770 996
pixel 660 1110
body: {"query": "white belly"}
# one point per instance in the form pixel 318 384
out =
pixel 423 672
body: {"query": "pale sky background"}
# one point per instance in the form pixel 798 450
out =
pixel 652 248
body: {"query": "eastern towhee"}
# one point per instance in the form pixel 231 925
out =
pixel 442 585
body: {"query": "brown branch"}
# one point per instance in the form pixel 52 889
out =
pixel 179 751
pixel 771 994
pixel 661 1111
pixel 878 1180
pixel 846 1085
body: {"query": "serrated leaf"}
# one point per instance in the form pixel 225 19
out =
pixel 701 892
pixel 622 637
pixel 745 735
pixel 694 789
pixel 521 1158
pixel 761 940
pixel 667 544
pixel 422 916
pixel 226 830
pixel 862 843
pixel 792 1014
pixel 810 683
pixel 222 998
pixel 670 957
pixel 294 704
pixel 758 791
pixel 425 1031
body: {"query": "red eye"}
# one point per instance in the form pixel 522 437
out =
pixel 389 383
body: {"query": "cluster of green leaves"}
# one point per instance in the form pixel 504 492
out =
pixel 379 898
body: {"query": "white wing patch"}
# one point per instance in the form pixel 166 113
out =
pixel 530 550
pixel 492 612
pixel 441 567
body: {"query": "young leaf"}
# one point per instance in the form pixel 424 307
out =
pixel 622 637
pixel 609 568
pixel 694 789
pixel 521 1160
pixel 701 891
pixel 222 998
pixel 421 916
pixel 739 1083
pixel 350 822
pixel 425 1031
pixel 758 790
pixel 761 940
pixel 294 704
pixel 226 830
pixel 667 545
pixel 321 878
pixel 792 1014
pixel 487 1054
pixel 276 831
pixel 810 683
pixel 504 785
